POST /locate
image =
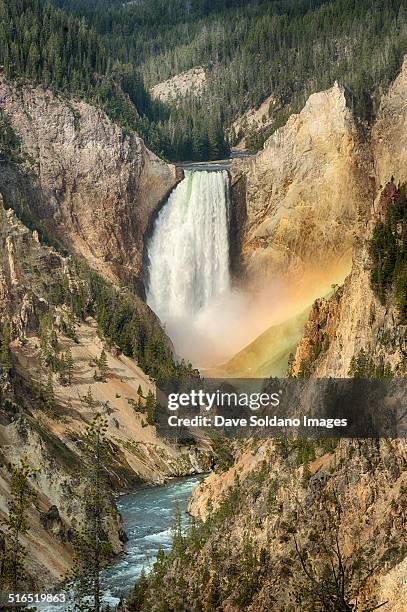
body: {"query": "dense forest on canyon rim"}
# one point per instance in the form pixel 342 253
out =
pixel 111 53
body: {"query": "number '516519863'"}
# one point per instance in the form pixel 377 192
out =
pixel 27 598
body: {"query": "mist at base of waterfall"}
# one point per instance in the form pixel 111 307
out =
pixel 213 334
pixel 228 324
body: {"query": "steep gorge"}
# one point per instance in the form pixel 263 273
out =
pixel 287 517
pixel 38 291
pixel 94 188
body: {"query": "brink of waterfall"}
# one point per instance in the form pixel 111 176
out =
pixel 188 253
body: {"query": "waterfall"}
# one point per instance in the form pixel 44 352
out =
pixel 188 253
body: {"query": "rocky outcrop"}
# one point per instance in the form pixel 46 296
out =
pixel 52 521
pixel 189 83
pixel 303 194
pixel 28 271
pixel 351 321
pixel 90 185
pixel 271 515
pixel 254 120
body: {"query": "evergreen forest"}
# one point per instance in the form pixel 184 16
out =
pixel 111 53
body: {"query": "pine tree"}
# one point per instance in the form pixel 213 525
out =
pixel 213 140
pixel 53 339
pixel 15 525
pixel 62 369
pixel 306 472
pixel 290 365
pixel 151 408
pixel 88 399
pixel 103 365
pixel 49 395
pixel 5 355
pixel 49 341
pixel 137 599
pixel 69 364
pixel 91 547
pixel 198 142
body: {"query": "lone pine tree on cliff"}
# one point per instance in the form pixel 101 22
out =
pixel 5 355
pixel 103 365
pixel 91 545
pixel 69 364
pixel 15 526
pixel 49 395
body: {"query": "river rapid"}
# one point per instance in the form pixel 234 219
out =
pixel 148 515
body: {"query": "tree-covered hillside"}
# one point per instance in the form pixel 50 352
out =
pixel 250 49
pixel 45 45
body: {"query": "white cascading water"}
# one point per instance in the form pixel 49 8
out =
pixel 188 254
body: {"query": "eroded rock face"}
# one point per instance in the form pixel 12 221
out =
pixel 91 186
pixel 303 193
pixel 252 121
pixel 189 83
pixel 358 321
pixel 351 321
pixel 27 270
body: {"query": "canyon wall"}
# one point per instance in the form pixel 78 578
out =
pixel 284 503
pixel 388 134
pixel 303 193
pixel 354 319
pixel 351 321
pixel 82 178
